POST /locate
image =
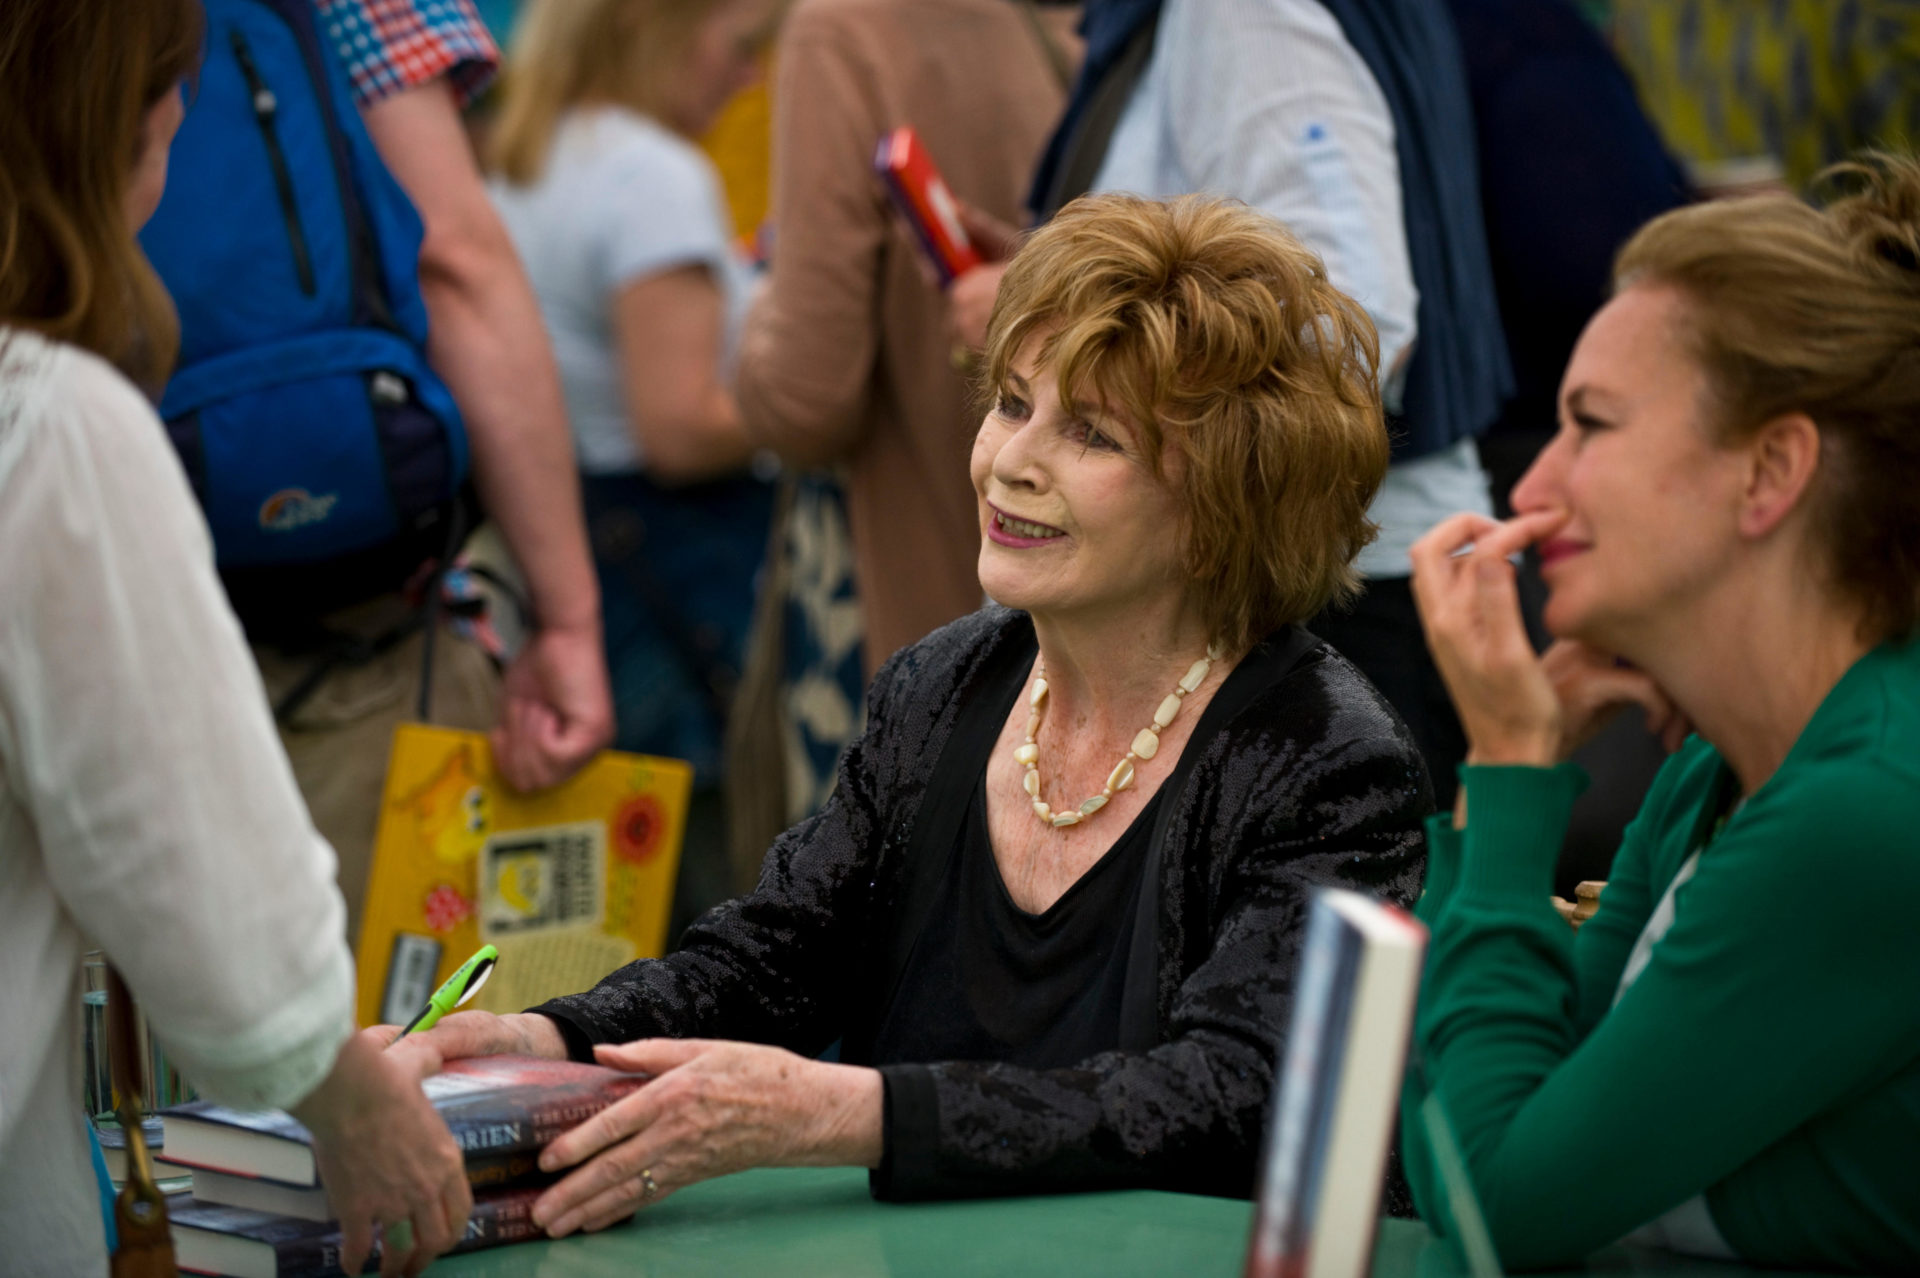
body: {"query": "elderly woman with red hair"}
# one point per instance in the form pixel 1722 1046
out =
pixel 1052 909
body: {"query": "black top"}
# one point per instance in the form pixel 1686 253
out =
pixel 1313 781
pixel 990 982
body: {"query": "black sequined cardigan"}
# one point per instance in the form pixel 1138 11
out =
pixel 1313 782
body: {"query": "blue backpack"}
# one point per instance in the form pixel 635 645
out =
pixel 328 457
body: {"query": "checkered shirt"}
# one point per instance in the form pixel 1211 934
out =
pixel 392 45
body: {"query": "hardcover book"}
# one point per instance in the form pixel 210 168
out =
pixel 568 883
pixel 499 1108
pixel 113 1148
pixel 227 1189
pixel 238 1243
pixel 1338 1092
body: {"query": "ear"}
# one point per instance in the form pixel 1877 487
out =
pixel 1785 454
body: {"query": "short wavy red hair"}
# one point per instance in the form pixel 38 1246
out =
pixel 1221 338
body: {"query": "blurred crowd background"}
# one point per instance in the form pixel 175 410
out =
pixel 755 581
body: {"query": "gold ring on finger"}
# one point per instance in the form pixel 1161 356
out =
pixel 648 1186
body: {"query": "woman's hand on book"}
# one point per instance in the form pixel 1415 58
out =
pixel 385 1157
pixel 712 1108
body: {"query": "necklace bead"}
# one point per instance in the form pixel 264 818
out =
pixel 1146 744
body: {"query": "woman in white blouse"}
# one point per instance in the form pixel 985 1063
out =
pixel 145 803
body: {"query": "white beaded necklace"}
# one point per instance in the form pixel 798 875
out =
pixel 1145 745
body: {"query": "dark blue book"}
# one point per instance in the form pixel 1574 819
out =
pixel 237 1242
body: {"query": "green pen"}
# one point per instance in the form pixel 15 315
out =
pixel 457 989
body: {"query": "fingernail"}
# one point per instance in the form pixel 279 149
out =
pixel 548 1162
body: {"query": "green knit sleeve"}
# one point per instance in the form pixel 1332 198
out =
pixel 1637 878
pixel 1443 859
pixel 1527 838
pixel 1443 856
pixel 1574 1141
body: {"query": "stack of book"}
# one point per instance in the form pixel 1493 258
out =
pixel 113 1148
pixel 258 1210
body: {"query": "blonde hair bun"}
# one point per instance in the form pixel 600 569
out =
pixel 1879 212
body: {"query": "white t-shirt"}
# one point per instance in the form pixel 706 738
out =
pixel 621 198
pixel 1688 1228
pixel 146 806
pixel 1266 101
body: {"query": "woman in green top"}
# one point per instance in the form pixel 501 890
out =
pixel 1727 1059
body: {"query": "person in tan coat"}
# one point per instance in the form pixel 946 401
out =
pixel 847 356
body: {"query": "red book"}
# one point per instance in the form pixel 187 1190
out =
pixel 922 197
pixel 496 1106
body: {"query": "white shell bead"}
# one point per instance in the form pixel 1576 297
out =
pixel 1121 777
pixel 1065 819
pixel 1168 708
pixel 1041 810
pixel 1146 745
pixel 1093 805
pixel 1033 725
pixel 1038 694
pixel 1213 652
pixel 1032 783
pixel 1195 676
pixel 1028 753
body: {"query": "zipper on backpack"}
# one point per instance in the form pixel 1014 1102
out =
pixel 266 109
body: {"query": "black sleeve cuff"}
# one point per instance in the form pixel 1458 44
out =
pixel 572 1033
pixel 909 1133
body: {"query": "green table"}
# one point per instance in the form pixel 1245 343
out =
pixel 812 1223
pixel 822 1224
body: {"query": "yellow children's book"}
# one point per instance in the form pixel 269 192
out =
pixel 567 884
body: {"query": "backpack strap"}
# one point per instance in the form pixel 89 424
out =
pixel 1085 147
pixel 337 649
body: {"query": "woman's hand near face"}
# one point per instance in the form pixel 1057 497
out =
pixel 1514 706
pixel 1470 610
pixel 1593 687
pixel 712 1108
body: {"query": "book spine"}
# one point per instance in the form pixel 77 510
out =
pixel 504 1219
pixel 1303 1101
pixel 490 1171
pixel 501 1127
pixel 497 1220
